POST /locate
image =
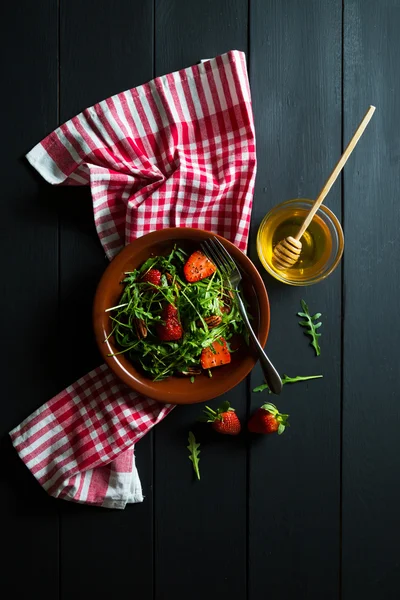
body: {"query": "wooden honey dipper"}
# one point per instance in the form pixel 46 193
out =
pixel 287 252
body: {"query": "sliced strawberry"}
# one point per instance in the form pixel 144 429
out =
pixel 198 267
pixel 172 329
pixel 215 355
pixel 152 276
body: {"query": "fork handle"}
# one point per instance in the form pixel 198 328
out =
pixel 271 375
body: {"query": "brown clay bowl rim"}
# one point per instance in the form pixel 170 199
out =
pixel 125 370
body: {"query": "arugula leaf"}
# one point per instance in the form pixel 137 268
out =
pixel 147 264
pixel 312 326
pixel 261 388
pixel 194 453
pixel 286 379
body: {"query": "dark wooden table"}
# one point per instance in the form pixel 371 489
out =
pixel 313 514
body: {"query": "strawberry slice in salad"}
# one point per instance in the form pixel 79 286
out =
pixel 198 267
pixel 216 355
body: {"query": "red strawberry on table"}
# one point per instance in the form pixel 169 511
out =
pixel 198 267
pixel 171 329
pixel 267 419
pixel 152 276
pixel 215 355
pixel 224 419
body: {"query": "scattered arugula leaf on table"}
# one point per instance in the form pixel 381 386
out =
pixel 194 453
pixel 311 325
pixel 287 379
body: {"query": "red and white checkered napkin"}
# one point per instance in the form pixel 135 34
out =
pixel 176 152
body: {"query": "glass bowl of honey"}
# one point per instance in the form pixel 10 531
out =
pixel 322 243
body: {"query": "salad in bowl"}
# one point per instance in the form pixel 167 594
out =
pixel 177 316
pixel 166 323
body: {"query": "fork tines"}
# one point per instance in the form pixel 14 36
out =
pixel 216 252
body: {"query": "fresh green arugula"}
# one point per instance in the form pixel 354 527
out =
pixel 312 325
pixel 194 453
pixel 195 302
pixel 287 379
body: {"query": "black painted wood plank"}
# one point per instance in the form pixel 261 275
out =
pixel 294 496
pixel 187 32
pixel 371 417
pixel 29 532
pixel 103 50
pixel 200 527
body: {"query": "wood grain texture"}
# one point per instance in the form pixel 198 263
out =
pixel 295 66
pixel 200 526
pixel 265 518
pixel 187 32
pixel 371 415
pixel 102 52
pixel 29 530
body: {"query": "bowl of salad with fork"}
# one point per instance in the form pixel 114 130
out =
pixel 166 317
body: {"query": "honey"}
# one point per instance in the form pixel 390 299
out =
pixel 319 242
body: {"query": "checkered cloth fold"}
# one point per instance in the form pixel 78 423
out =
pixel 178 151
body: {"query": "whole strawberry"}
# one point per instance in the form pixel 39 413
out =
pixel 152 276
pixel 171 329
pixel 268 419
pixel 224 419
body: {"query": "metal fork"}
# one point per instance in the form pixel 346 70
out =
pixel 217 253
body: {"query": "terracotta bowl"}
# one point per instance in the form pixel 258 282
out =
pixel 178 390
